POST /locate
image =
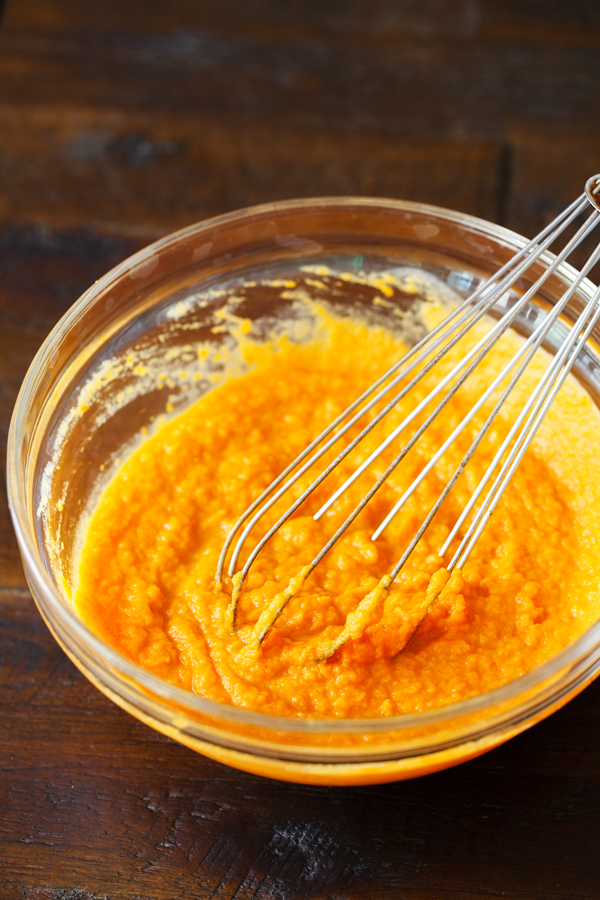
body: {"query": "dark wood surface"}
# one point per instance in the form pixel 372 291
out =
pixel 120 121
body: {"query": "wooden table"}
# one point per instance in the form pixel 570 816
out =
pixel 120 121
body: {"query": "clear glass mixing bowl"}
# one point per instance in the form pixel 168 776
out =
pixel 73 421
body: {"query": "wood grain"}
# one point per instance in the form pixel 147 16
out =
pixel 159 172
pixel 411 89
pixel 538 20
pixel 153 116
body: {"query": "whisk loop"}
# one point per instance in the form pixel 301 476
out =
pixel 408 372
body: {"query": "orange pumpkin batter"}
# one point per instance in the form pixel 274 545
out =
pixel 147 571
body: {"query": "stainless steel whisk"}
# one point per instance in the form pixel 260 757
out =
pixel 417 362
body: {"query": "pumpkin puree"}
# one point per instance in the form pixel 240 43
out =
pixel 147 570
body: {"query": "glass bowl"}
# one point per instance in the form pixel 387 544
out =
pixel 113 364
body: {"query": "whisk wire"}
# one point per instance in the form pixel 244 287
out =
pixel 528 349
pixel 491 338
pixel 464 312
pixel 566 359
pixel 576 340
pixel 484 307
pixel 556 361
pixel 414 365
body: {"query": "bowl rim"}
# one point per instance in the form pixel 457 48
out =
pixel 578 650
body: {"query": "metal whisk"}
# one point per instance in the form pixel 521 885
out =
pixel 416 363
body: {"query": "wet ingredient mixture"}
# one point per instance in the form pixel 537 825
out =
pixel 147 571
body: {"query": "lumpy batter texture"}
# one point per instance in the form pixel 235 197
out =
pixel 147 571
